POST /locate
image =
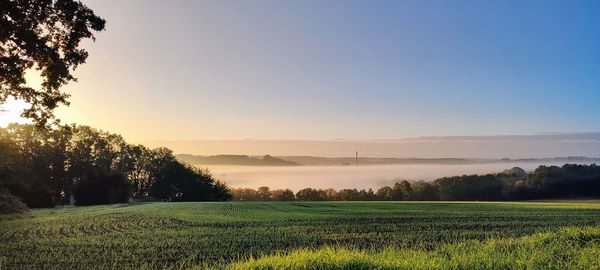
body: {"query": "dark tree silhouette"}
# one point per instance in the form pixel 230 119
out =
pixel 423 191
pixel 384 193
pixel 179 182
pixel 43 35
pixel 101 187
pixel 283 195
pixel 309 194
pixel 45 166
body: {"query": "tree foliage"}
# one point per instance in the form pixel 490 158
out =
pixel 283 195
pixel 178 182
pixel 47 166
pixel 101 187
pixel 43 35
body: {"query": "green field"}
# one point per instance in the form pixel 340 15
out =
pixel 217 234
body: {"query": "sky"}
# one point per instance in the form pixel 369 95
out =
pixel 322 70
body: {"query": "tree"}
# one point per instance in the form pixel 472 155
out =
pixel 9 156
pixel 515 172
pixel 368 195
pixel 179 182
pixel 424 191
pixel 27 168
pixel 517 191
pixel 59 180
pixel 42 166
pixel 309 194
pixel 401 191
pixel 101 187
pixel 384 193
pixel 330 194
pixel 470 187
pixel 42 35
pixel 406 190
pixel 264 194
pixel 283 195
pixel 348 195
pixel 136 165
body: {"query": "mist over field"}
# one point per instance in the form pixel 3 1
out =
pixel 375 176
pixel 339 177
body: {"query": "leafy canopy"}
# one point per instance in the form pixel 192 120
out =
pixel 44 35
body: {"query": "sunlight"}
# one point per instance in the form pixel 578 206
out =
pixel 10 112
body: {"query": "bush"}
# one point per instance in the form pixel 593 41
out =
pixel 33 192
pixel 100 187
pixel 10 204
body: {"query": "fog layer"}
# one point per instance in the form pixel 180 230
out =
pixel 338 177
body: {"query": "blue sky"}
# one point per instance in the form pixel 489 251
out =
pixel 340 69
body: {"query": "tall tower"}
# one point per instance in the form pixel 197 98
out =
pixel 356 158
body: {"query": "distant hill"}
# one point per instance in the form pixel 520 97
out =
pixel 266 160
pixel 312 160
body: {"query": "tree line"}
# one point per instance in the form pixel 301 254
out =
pixel 48 166
pixel 545 182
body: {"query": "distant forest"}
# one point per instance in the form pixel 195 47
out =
pixel 568 181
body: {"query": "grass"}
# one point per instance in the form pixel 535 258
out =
pixel 572 248
pixel 159 235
